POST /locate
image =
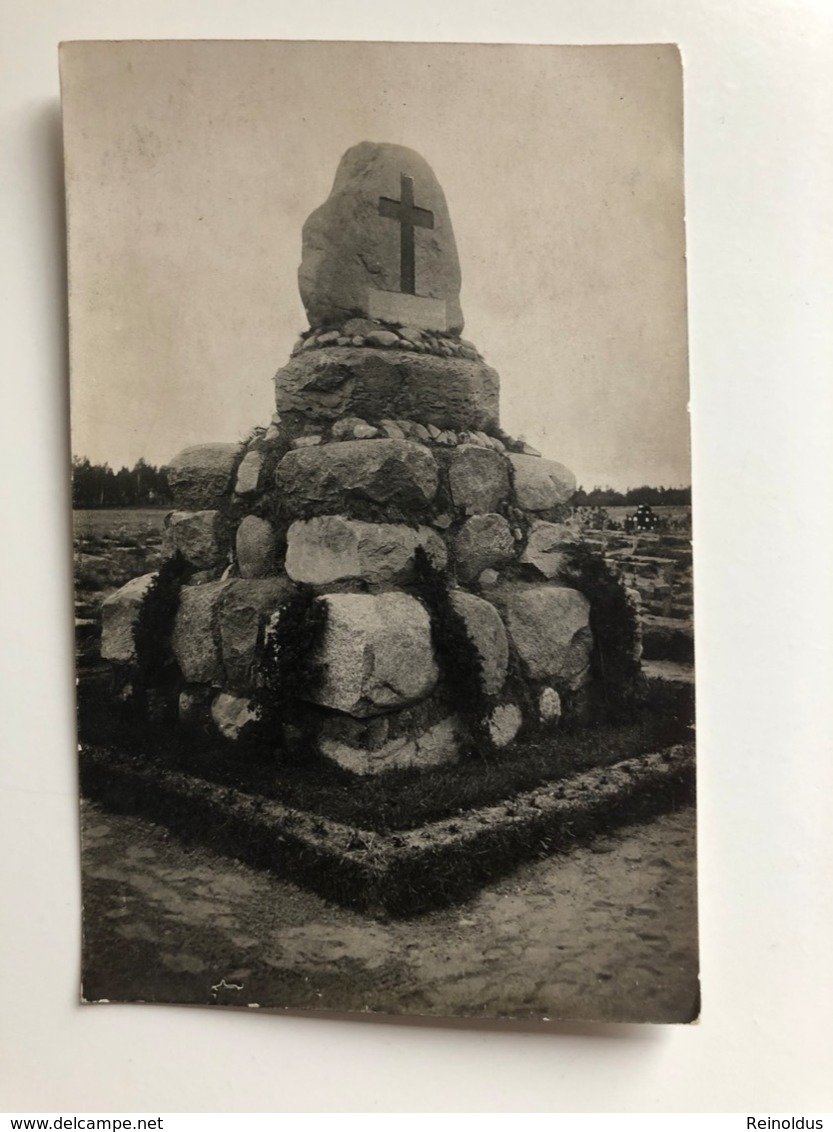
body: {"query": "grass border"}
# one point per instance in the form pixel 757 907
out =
pixel 398 874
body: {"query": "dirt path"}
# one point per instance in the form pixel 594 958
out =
pixel 606 933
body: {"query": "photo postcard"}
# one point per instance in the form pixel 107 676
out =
pixel 382 527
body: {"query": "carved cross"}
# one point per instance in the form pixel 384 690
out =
pixel 409 217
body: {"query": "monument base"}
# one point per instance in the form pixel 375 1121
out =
pixel 337 381
pixel 402 872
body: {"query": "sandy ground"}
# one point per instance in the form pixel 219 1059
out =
pixel 605 933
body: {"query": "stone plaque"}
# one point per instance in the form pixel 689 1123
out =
pixel 407 310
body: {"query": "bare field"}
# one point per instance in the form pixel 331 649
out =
pixel 131 522
pixel 110 547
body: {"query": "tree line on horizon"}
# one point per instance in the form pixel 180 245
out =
pixel 633 496
pixel 98 485
pixel 145 485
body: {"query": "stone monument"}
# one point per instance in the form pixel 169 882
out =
pixel 385 452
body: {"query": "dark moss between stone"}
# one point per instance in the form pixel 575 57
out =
pixel 615 624
pixel 154 623
pixel 401 874
pixel 460 663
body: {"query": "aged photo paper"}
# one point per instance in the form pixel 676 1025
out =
pixel 382 522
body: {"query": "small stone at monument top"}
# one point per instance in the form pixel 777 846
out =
pixel 381 246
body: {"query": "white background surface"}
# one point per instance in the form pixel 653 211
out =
pixel 759 172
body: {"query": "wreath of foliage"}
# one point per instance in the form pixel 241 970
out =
pixel 154 623
pixel 288 667
pixel 460 663
pixel 615 626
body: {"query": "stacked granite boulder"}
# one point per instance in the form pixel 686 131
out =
pixel 385 449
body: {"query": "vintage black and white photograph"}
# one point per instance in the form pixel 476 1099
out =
pixel 382 525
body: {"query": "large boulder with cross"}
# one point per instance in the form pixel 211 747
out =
pixel 382 246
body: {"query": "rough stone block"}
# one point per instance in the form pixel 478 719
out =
pixel 540 484
pixel 392 430
pixel 504 724
pixel 381 338
pixel 231 714
pixel 451 393
pixel 242 611
pixel 197 536
pixel 394 472
pixel 436 745
pixel 546 546
pixel 255 548
pixel 332 548
pixel 195 639
pixel 376 654
pixel 488 635
pixel 550 627
pixel 478 478
pixel 248 474
pixel 483 541
pixel 118 616
pixel 200 477
pixel 343 428
pixel 549 706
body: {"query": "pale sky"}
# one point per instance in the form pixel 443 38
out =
pixel 191 168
